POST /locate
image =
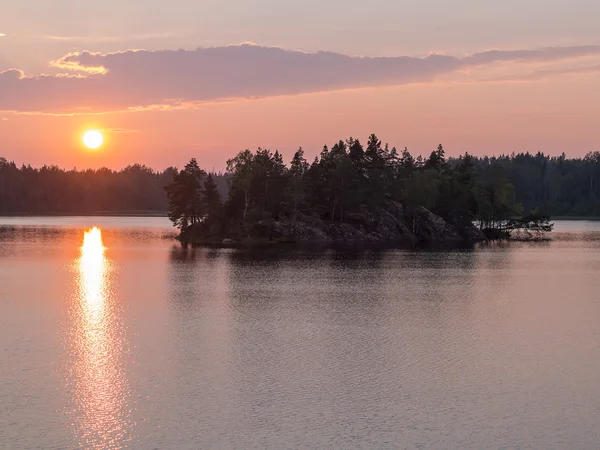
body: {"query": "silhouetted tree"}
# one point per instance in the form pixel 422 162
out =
pixel 346 182
pixel 240 169
pixel 211 197
pixel 296 189
pixel 186 203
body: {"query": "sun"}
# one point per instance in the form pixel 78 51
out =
pixel 93 139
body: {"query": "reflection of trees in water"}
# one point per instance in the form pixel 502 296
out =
pixel 180 253
pixel 347 268
pixel 284 338
pixel 317 332
pixel 498 255
pixel 192 274
pixel 200 316
pixel 21 240
pixel 341 278
pixel 28 233
pixel 182 277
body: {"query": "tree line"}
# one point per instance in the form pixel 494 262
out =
pixel 135 189
pixel 340 181
pixel 350 179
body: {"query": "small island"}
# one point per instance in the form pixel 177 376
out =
pixel 350 194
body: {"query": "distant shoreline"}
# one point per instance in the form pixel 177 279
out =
pixel 92 214
pixel 164 214
pixel 591 218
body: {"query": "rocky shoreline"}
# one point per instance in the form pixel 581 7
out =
pixel 389 226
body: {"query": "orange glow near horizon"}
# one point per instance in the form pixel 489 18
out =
pixel 93 139
pixel 552 116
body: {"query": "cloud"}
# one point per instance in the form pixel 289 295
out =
pixel 68 63
pixel 537 75
pixel 108 39
pixel 548 54
pixel 2 35
pixel 174 79
pixel 120 130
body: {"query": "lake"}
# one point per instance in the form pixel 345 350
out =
pixel 132 341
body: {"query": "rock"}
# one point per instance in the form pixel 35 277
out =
pixel 433 229
pixel 388 225
pixel 384 226
pixel 474 234
pixel 300 231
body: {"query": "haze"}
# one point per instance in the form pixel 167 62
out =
pixel 67 66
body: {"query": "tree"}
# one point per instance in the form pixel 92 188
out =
pixel 495 198
pixel 186 206
pixel 356 151
pixel 211 200
pixel 345 182
pixel 463 190
pixel 437 159
pixel 530 227
pixel 374 167
pixel 296 190
pixel 240 169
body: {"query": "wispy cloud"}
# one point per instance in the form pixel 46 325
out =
pixel 538 75
pixel 139 80
pixel 109 39
pixel 69 64
pixel 547 54
pixel 120 130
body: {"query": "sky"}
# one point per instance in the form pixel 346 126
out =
pixel 166 81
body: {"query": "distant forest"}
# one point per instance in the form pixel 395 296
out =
pixel 135 189
pixel 339 178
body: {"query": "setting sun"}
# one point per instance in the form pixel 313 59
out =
pixel 93 139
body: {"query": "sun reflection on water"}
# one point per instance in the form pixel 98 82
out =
pixel 93 267
pixel 101 414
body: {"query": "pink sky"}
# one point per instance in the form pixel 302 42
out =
pixel 161 106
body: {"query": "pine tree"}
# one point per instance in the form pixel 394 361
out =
pixel 185 196
pixel 211 198
pixel 298 169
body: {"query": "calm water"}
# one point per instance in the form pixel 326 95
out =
pixel 144 345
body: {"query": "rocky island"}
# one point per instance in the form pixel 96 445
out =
pixel 387 226
pixel 349 194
